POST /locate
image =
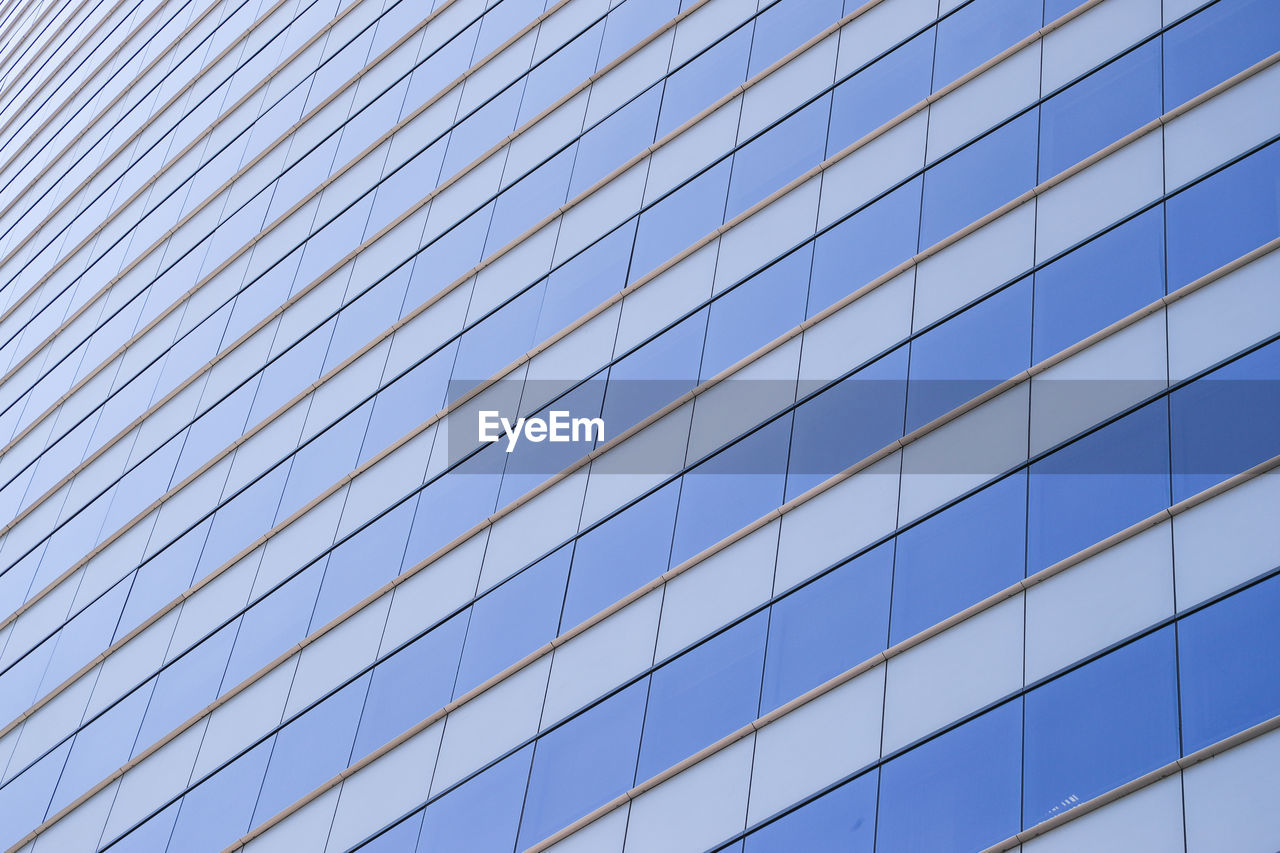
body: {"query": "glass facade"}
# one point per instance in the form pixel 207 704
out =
pixel 934 348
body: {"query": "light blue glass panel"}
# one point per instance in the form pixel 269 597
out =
pixel 218 811
pixel 756 312
pixel 978 31
pixel 780 154
pixel 881 91
pixel 678 221
pixel 705 78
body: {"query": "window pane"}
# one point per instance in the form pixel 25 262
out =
pixel 1229 658
pixel 825 628
pixel 960 791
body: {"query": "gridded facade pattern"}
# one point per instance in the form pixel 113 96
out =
pixel 986 558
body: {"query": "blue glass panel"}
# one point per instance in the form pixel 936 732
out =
pixel 869 243
pixel 705 78
pixel 366 317
pixel 620 555
pixel 680 220
pixel 529 200
pixel 1098 110
pixel 629 22
pixel 100 747
pixel 475 134
pixel 703 695
pixel 960 791
pixel 362 563
pixel 150 836
pixel 401 838
pixel 218 811
pixel 619 137
pixel 788 24
pixel 779 155
pixel 273 624
pixel 84 636
pixel 448 509
pixel 482 814
pixel 970 353
pixel 841 821
pixel 978 31
pixel 823 629
pixel 408 402
pixel 513 620
pixel 1102 281
pixel 311 749
pixel 500 338
pixel 1216 43
pixel 960 556
pixel 1225 422
pixel 186 686
pixel 23 802
pixel 881 91
pixel 979 178
pixel 732 489
pixel 1224 216
pixel 586 280
pixel 321 463
pixel 411 685
pixel 848 422
pixel 756 312
pixel 583 764
pixel 1100 726
pixel 1099 485
pixel 445 260
pixel 1229 659
pixel 561 71
pixel 655 374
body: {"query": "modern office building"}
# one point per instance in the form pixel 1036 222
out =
pixel 901 463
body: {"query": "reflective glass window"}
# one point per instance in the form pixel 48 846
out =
pixel 871 242
pixel 777 156
pixel 1096 111
pixel 1225 422
pixel 1099 726
pixel 678 221
pixel 218 811
pixel 786 25
pixel 703 695
pixel 840 821
pixel 1098 485
pixel 1229 665
pixel 960 791
pixel 482 814
pixel 619 137
pixel 1216 43
pixel 620 555
pixel 583 764
pixel 978 31
pixel 970 353
pixel 756 312
pixel 514 619
pixel 1224 216
pixel 960 556
pixel 705 78
pixel 881 91
pixel 979 178
pixel 823 629
pixel 1102 281
pixel 732 489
